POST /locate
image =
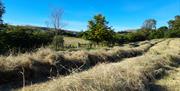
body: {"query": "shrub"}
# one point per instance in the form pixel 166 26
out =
pixel 98 30
pixel 3 44
pixel 23 40
pixel 119 38
pixel 58 42
pixel 172 34
pixel 156 34
pixel 136 36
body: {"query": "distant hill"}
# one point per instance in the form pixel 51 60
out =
pixel 65 32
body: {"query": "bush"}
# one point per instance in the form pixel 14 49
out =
pixel 119 38
pixel 3 44
pixel 156 34
pixel 23 40
pixel 172 34
pixel 58 42
pixel 136 36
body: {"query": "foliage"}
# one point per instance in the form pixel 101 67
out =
pixel 58 42
pixel 21 39
pixel 119 38
pixel 2 11
pixel 98 31
pixel 163 28
pixel 175 24
pixel 149 24
pixel 172 34
pixel 156 34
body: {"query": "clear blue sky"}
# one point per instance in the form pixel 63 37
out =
pixel 122 14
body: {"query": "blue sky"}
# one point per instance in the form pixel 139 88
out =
pixel 121 14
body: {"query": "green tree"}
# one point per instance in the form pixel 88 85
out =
pixel 163 28
pixel 2 11
pixel 175 24
pixel 156 34
pixel 172 34
pixel 149 24
pixel 98 30
pixel 58 42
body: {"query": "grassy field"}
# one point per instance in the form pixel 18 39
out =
pixel 106 69
pixel 46 62
pixel 131 74
pixel 74 41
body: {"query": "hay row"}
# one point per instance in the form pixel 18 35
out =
pixel 132 74
pixel 46 63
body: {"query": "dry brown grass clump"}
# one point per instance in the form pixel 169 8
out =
pixel 133 74
pixel 74 41
pixel 46 62
pixel 170 82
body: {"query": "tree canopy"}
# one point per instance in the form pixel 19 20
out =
pixel 175 24
pixel 149 24
pixel 2 11
pixel 98 30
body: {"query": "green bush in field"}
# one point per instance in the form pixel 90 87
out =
pixel 3 44
pixel 156 34
pixel 98 30
pixel 136 36
pixel 58 42
pixel 2 11
pixel 175 24
pixel 172 34
pixel 22 39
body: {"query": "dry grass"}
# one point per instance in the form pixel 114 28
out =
pixel 170 82
pixel 132 74
pixel 74 41
pixel 46 62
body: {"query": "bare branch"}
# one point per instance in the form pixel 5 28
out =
pixel 56 19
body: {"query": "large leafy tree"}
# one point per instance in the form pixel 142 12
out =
pixel 149 24
pixel 2 11
pixel 98 30
pixel 175 24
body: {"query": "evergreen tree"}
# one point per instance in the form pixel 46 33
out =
pixel 2 11
pixel 98 30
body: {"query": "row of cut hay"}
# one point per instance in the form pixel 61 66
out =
pixel 171 82
pixel 133 74
pixel 169 46
pixel 46 62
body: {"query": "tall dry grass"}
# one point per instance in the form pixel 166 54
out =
pixel 132 74
pixel 171 82
pixel 74 41
pixel 46 62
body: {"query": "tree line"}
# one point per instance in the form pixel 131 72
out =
pixel 99 31
pixel 23 38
